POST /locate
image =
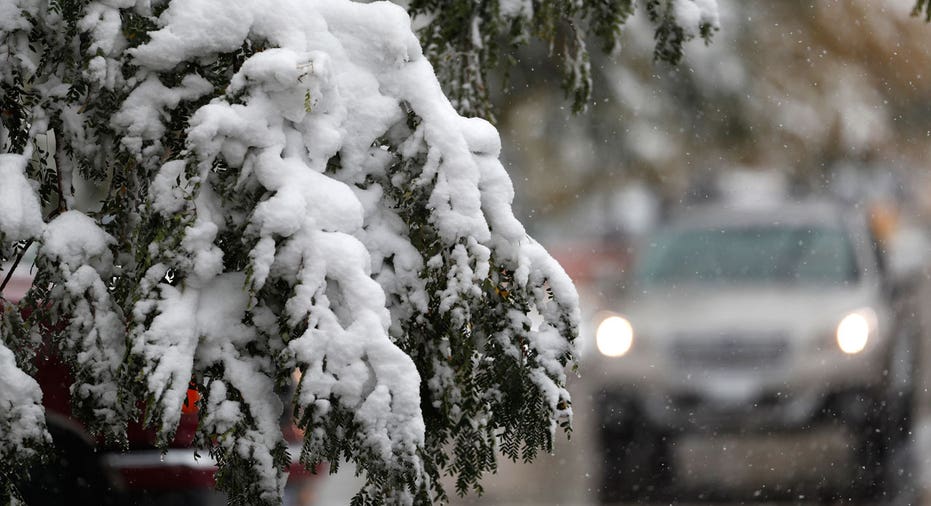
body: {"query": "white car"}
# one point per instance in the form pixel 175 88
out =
pixel 763 319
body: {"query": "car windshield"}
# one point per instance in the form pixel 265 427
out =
pixel 750 254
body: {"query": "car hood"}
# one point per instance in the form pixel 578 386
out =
pixel 708 310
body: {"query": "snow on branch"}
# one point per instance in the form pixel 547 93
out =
pixel 22 418
pixel 238 191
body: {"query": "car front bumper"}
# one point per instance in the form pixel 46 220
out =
pixel 791 395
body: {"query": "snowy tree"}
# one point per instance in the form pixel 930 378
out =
pixel 225 192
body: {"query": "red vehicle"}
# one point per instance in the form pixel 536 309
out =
pixel 84 471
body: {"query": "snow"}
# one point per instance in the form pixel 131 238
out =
pixel 169 343
pixel 20 214
pixel 11 17
pixel 691 15
pixel 73 239
pixel 22 418
pixel 80 251
pixel 303 198
pixel 167 188
pixel 185 35
pixel 104 24
pixel 142 112
pixel 516 8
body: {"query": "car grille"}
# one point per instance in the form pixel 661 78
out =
pixel 743 352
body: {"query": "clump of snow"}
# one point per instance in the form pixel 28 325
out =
pixel 74 239
pixel 11 14
pixel 692 15
pixel 142 112
pixel 20 213
pixel 22 419
pixel 79 250
pixel 516 8
pixel 168 188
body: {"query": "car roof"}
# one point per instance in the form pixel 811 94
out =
pixel 811 213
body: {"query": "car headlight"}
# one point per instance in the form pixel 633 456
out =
pixel 855 329
pixel 614 336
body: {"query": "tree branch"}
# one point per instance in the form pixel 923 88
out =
pixel 19 258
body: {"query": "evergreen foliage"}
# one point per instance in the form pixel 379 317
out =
pixel 922 6
pixel 465 39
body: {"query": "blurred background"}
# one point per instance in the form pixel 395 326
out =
pixel 813 100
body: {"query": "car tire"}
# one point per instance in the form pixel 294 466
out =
pixel 888 428
pixel 882 437
pixel 899 396
pixel 635 460
pixel 870 459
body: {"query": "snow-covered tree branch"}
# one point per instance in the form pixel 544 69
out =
pixel 229 191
